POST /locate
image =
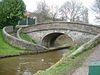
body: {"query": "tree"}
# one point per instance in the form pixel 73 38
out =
pixel 83 17
pixel 72 10
pixel 96 9
pixel 54 13
pixel 11 11
pixel 42 11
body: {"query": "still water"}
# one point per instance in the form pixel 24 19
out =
pixel 29 64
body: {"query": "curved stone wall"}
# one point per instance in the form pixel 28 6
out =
pixel 20 43
pixel 18 33
pixel 45 28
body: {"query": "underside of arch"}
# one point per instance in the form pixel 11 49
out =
pixel 56 40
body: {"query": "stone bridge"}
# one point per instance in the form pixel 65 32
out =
pixel 53 33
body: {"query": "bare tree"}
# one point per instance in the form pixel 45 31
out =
pixel 42 11
pixel 71 10
pixel 54 12
pixel 83 17
pixel 96 9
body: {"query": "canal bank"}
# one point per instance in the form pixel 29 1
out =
pixel 65 63
pixel 31 63
pixel 71 61
pixel 25 60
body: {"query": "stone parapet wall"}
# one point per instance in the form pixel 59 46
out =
pixel 18 34
pixel 79 32
pixel 64 25
pixel 20 43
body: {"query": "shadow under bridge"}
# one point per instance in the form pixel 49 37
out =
pixel 57 40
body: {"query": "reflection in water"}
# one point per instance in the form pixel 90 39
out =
pixel 29 64
pixel 27 72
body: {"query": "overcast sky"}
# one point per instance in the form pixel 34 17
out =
pixel 32 4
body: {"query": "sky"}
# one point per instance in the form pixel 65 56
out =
pixel 32 4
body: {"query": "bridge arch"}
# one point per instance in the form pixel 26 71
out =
pixel 57 39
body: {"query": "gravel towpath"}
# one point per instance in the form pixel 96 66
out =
pixel 95 56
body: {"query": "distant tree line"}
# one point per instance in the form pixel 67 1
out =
pixel 72 11
pixel 11 11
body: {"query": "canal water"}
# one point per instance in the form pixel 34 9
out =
pixel 29 64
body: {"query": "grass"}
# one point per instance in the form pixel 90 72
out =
pixel 6 49
pixel 66 65
pixel 26 37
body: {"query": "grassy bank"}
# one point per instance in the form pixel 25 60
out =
pixel 26 37
pixel 6 49
pixel 66 65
